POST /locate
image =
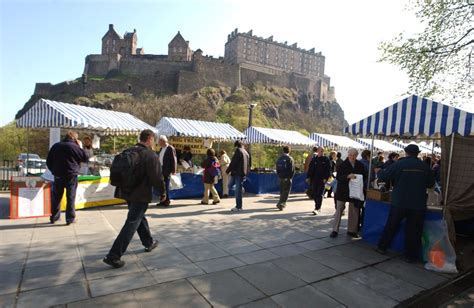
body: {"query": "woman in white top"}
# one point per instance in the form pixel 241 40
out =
pixel 224 161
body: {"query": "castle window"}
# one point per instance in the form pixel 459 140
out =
pixel 174 49
pixel 108 41
pixel 113 42
pixel 113 49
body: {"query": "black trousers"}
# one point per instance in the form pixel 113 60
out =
pixel 136 221
pixel 413 230
pixel 318 193
pixel 70 184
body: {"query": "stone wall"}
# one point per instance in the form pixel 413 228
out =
pixel 143 66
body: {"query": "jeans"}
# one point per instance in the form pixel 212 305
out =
pixel 238 181
pixel 318 193
pixel 136 221
pixel 70 184
pixel 285 187
pixel 413 230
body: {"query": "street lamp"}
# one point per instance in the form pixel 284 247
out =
pixel 251 107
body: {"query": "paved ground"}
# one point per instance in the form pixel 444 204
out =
pixel 207 256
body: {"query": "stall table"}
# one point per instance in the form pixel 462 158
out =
pixel 375 217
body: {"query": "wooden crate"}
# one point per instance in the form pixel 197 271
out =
pixel 375 194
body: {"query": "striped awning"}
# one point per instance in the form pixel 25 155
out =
pixel 379 145
pixel 415 116
pixel 424 148
pixel 334 141
pixel 275 136
pixel 50 114
pixel 198 129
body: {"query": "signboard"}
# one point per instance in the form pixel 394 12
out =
pixel 197 145
pixel 30 196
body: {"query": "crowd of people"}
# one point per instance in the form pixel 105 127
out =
pixel 408 177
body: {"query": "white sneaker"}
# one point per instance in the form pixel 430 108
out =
pixel 235 209
pixel 315 212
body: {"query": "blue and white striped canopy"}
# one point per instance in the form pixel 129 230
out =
pixel 199 129
pixel 334 141
pixel 415 116
pixel 276 136
pixel 424 148
pixel 49 114
pixel 379 145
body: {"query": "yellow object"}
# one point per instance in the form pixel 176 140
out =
pixel 93 193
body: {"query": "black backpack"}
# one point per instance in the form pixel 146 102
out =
pixel 125 171
pixel 284 167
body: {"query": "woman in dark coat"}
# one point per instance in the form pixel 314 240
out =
pixel 211 169
pixel 346 172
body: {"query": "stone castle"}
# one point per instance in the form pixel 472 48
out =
pixel 122 67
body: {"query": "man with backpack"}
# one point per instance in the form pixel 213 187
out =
pixel 318 174
pixel 134 172
pixel 285 167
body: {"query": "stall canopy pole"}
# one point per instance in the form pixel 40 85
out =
pixel 449 172
pixel 370 163
pixel 114 144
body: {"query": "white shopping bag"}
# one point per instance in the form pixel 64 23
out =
pixel 356 188
pixel 175 181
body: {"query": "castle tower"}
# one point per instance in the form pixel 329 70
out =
pixel 178 49
pixel 111 42
pixel 129 43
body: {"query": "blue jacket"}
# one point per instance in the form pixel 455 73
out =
pixel 65 158
pixel 411 177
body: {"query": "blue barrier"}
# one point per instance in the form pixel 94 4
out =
pixel 375 217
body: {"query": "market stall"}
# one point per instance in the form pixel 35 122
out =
pixel 420 117
pixel 92 190
pixel 259 183
pixel 339 143
pixel 198 136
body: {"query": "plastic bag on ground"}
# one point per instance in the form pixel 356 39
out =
pixel 356 188
pixel 437 249
pixel 175 181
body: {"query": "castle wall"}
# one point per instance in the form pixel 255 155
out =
pixel 100 65
pixel 250 76
pixel 140 66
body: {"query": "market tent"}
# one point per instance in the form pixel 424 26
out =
pixel 379 145
pixel 335 141
pixel 276 136
pixel 424 147
pixel 51 114
pixel 415 116
pixel 198 129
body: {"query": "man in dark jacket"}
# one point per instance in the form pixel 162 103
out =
pixel 345 173
pixel 285 167
pixel 411 177
pixel 64 161
pixel 318 174
pixel 138 199
pixel 238 169
pixel 168 161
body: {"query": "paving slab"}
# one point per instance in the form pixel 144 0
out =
pixel 261 303
pixel 51 296
pixel 235 246
pixel 172 294
pixel 176 272
pixel 202 252
pixel 305 297
pixel 225 288
pixel 163 257
pixel 257 256
pixel 353 294
pixel 219 264
pixel 9 280
pixel 412 273
pixel 96 268
pixel 305 268
pixel 269 278
pixel 269 243
pixel 363 254
pixel 124 299
pixel 120 283
pixel 315 244
pixel 295 236
pixel 384 283
pixel 7 300
pixel 51 275
pixel 334 259
pixel 288 250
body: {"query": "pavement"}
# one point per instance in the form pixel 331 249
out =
pixel 207 257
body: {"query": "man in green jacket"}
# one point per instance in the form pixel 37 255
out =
pixel 410 177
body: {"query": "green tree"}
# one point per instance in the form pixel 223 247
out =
pixel 438 60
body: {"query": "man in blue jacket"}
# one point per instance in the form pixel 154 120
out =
pixel 64 161
pixel 411 177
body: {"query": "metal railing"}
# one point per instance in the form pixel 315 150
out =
pixel 7 170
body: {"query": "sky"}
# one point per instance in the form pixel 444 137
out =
pixel 48 40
